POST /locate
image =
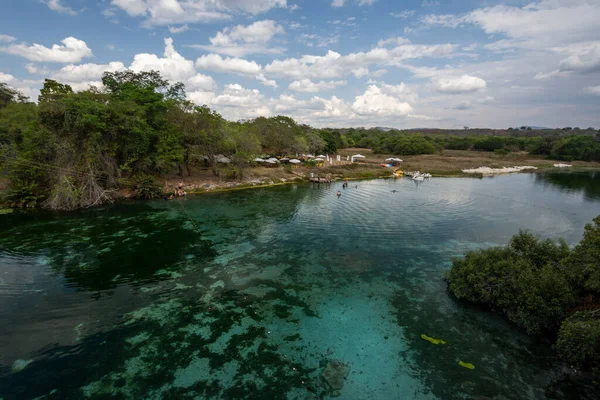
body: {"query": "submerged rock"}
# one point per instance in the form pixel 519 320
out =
pixel 335 374
pixel 20 365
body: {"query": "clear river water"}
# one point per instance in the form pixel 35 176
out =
pixel 280 293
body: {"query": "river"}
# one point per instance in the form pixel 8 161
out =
pixel 252 294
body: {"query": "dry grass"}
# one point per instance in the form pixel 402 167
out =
pixel 452 162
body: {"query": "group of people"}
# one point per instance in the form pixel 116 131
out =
pixel 179 192
pixel 344 186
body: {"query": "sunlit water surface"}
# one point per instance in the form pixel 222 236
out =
pixel 251 294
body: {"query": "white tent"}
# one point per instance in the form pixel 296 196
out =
pixel 259 160
pixel 357 156
pixel 393 159
pixel 321 156
pixel 294 161
pixel 319 159
pixel 273 160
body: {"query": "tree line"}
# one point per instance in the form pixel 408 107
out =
pixel 559 144
pixel 74 149
pixel 542 286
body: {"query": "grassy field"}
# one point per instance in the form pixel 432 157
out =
pixel 452 162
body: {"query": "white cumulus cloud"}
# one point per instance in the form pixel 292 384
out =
pixel 376 102
pixel 242 40
pixel 82 76
pixel 166 12
pixel 7 38
pixel 266 82
pixel 55 5
pixel 308 86
pixel 173 66
pixel 179 29
pixel 72 51
pixel 459 84
pixel 215 62
pixel 333 64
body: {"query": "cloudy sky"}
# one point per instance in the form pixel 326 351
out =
pixel 415 63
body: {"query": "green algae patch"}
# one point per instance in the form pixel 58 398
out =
pixel 432 340
pixel 4 211
pixel 466 365
pixel 138 339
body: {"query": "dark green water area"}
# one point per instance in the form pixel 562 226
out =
pixel 280 293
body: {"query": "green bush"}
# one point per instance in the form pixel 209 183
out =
pixel 576 148
pixel 146 187
pixel 24 194
pixel 230 172
pixel 501 152
pixel 537 284
pixel 525 280
pixel 406 145
pixel 578 339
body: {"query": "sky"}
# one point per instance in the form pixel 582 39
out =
pixel 327 63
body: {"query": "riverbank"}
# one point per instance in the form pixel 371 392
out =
pixel 448 163
pixel 445 164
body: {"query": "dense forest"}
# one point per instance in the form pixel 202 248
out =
pixel 543 287
pixel 74 149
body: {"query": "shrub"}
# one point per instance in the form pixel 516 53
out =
pixel 525 280
pixel 146 187
pixel 578 339
pixel 24 194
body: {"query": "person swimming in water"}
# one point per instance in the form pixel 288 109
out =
pixel 339 194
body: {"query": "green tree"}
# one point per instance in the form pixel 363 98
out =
pixel 578 340
pixel 525 280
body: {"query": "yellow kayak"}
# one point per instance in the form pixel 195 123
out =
pixel 432 340
pixel 466 365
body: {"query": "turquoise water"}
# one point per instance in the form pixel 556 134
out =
pixel 253 294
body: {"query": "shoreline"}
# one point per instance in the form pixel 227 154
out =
pixel 447 164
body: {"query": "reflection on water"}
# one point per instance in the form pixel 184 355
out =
pixel 587 183
pixel 275 293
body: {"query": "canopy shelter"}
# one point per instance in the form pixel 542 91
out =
pixel 357 157
pixel 222 159
pixel 393 161
pixel 294 161
pixel 259 160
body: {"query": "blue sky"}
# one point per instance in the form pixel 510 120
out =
pixel 418 63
